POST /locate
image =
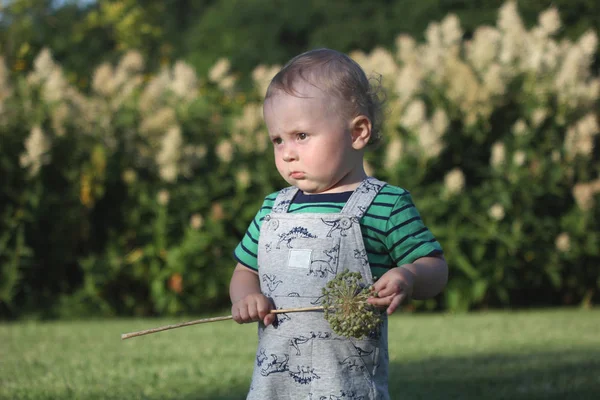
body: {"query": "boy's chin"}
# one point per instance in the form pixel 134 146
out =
pixel 305 186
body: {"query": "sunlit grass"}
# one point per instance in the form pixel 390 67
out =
pixel 551 354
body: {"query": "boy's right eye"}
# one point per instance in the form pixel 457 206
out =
pixel 277 140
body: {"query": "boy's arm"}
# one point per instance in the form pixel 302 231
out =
pixel 430 276
pixel 244 281
pixel 248 302
pixel 421 279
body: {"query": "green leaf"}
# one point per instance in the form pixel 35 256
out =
pixel 465 266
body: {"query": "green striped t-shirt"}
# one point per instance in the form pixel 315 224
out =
pixel 392 229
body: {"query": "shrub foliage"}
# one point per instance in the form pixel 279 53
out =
pixel 129 199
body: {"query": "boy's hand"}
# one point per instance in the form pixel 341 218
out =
pixel 253 307
pixel 393 288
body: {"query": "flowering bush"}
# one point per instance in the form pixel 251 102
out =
pixel 497 137
pixel 125 200
pixel 129 199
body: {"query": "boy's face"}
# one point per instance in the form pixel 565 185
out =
pixel 313 142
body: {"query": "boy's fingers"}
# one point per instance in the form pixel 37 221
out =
pixel 242 314
pixel 264 308
pixel 251 311
pixel 378 286
pixel 380 301
pixel 389 290
pixel 396 301
pixel 269 319
pixel 385 291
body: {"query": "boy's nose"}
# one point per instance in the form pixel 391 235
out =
pixel 289 154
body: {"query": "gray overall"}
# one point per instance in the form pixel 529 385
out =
pixel 300 357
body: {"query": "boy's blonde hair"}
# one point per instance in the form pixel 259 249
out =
pixel 338 75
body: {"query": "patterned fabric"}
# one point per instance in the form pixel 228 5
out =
pixel 391 227
pixel 300 357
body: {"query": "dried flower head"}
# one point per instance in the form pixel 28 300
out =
pixel 346 308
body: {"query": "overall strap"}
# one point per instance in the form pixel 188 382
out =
pixel 362 197
pixel 284 199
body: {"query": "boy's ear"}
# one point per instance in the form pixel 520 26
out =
pixel 361 131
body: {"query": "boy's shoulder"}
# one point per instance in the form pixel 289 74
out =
pixel 269 199
pixel 272 196
pixel 392 190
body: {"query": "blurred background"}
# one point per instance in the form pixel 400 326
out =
pixel 133 153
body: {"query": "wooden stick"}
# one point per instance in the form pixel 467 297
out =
pixel 205 320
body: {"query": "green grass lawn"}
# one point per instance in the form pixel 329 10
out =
pixel 553 354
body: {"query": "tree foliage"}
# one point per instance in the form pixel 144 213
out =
pixel 248 33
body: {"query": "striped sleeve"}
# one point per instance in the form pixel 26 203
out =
pixel 246 252
pixel 407 238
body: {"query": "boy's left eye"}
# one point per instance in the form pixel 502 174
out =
pixel 302 136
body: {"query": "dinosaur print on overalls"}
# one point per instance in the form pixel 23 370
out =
pixel 272 282
pixel 343 396
pixel 343 225
pixel 303 358
pixel 317 301
pixel 369 186
pixel 297 341
pixel 261 357
pixel 298 232
pixel 281 206
pixel 277 365
pixel 361 255
pixel 322 268
pixel 304 375
pixel 359 361
pixel 281 318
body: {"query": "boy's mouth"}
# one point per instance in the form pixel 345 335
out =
pixel 296 174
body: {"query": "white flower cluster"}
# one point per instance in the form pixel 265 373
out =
pixel 248 132
pixel 37 146
pixel 117 84
pixel 584 194
pixel 262 76
pixel 49 76
pixel 454 182
pixel 473 75
pixel 430 85
pixel 580 137
pixel 64 102
pixel 115 88
pixel 220 74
